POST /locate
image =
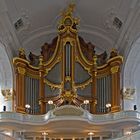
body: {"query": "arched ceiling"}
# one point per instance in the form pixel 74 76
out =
pixel 97 23
pixel 6 80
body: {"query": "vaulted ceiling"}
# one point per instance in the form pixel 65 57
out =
pixel 106 23
pixel 103 22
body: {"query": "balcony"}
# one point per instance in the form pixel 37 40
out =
pixel 70 120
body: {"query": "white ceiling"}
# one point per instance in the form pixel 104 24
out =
pixel 96 20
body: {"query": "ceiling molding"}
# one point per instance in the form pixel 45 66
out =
pixel 97 32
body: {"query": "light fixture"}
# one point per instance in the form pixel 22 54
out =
pixel 27 106
pixel 44 133
pixel 86 102
pixel 90 133
pixel 128 132
pixel 108 105
pixel 50 102
pixel 7 133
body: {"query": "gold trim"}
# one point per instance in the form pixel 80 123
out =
pixel 40 60
pixel 84 60
pixel 103 66
pixel 115 58
pixel 52 61
pixel 32 75
pixel 47 69
pixel 21 70
pixel 67 21
pixel 23 60
pixel 84 84
pixel 114 69
pixel 52 85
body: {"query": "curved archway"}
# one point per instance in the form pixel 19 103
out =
pixel 132 76
pixel 6 79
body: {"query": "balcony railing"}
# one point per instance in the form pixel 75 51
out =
pixel 5 137
pixel 26 118
pixel 133 136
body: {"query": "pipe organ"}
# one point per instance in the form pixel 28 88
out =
pixel 67 71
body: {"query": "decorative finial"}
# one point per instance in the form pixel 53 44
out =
pixel 22 53
pixel 67 20
pixel 95 65
pixel 69 11
pixel 95 59
pixel 41 60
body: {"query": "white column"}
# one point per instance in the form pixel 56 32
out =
pixel 101 138
pixel 90 137
pixel 112 135
pixel 44 137
pixel 85 138
pixel 34 138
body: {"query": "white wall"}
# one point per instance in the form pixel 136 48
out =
pixel 8 104
pixel 6 78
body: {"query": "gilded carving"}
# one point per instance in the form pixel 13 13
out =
pixel 114 69
pixel 41 60
pixel 52 85
pixel 22 53
pixel 83 85
pixel 21 70
pixel 68 95
pixel 68 23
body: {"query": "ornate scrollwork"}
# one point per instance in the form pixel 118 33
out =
pixel 22 53
pixel 84 84
pixel 52 85
pixel 114 69
pixel 68 95
pixel 21 70
pixel 67 19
